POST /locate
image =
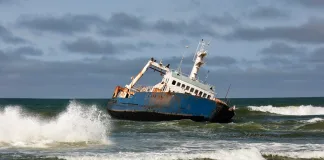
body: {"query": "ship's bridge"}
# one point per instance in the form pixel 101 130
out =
pixel 181 83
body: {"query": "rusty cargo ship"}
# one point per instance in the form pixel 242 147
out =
pixel 177 96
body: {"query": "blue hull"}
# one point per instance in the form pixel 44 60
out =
pixel 162 106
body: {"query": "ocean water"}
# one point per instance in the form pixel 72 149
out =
pixel 273 128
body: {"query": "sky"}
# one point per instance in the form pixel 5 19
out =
pixel 83 49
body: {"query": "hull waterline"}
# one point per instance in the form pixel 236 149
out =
pixel 169 107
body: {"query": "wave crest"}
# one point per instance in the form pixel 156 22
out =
pixel 290 110
pixel 76 124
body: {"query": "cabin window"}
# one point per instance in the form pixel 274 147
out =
pixel 196 91
pixel 204 95
pixel 164 88
pixel 183 86
pixel 208 96
pixel 187 88
pixel 173 82
pixel 178 84
pixel 200 93
pixel 192 89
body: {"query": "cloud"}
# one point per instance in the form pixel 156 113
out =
pixel 27 50
pixel 192 28
pixel 213 61
pixel 317 55
pixel 118 25
pixel 3 56
pixel 225 20
pixel 122 24
pixel 268 13
pixel 126 21
pixel 282 49
pixel 9 1
pixel 311 32
pixel 8 37
pixel 66 25
pixel 147 45
pixel 221 61
pixel 16 54
pixel 308 3
pixel 88 45
pixel 275 61
pixel 283 64
pixel 4 1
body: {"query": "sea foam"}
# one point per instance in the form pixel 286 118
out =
pixel 239 154
pixel 314 120
pixel 77 124
pixel 290 110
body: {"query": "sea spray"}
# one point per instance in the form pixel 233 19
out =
pixel 290 110
pixel 77 124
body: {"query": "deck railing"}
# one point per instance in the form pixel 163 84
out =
pixel 187 75
pixel 142 88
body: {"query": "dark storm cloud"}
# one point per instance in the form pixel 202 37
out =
pixel 67 24
pixel 282 49
pixel 126 21
pixel 8 37
pixel 119 24
pixel 87 45
pixel 27 50
pixel 14 54
pixel 268 13
pixel 311 32
pixel 221 61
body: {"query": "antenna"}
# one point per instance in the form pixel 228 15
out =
pixel 179 68
pixel 195 55
pixel 206 76
pixel 227 93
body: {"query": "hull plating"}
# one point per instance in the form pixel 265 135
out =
pixel 161 106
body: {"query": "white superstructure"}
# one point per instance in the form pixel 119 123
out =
pixel 175 81
pixel 200 53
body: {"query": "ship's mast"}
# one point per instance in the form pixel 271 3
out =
pixel 201 52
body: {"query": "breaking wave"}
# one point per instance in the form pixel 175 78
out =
pixel 290 110
pixel 314 120
pixel 222 154
pixel 77 124
pixel 239 154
